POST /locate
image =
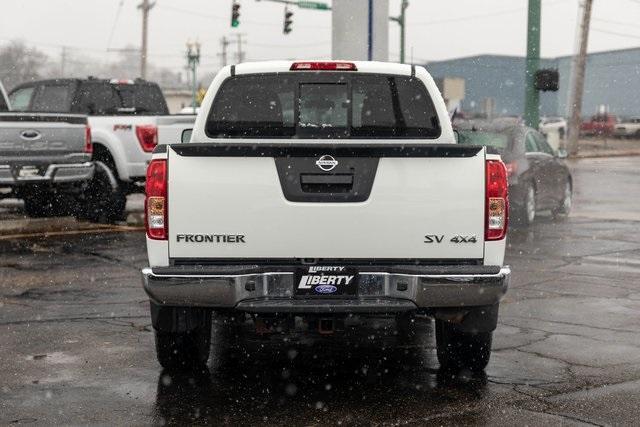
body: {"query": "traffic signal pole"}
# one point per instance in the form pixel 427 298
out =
pixel 532 96
pixel 401 22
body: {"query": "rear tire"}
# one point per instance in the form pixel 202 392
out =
pixel 525 213
pixel 45 202
pixel 184 350
pixel 462 350
pixel 564 207
pixel 105 199
pixel 183 336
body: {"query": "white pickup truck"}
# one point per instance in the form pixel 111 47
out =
pixel 128 118
pixel 323 191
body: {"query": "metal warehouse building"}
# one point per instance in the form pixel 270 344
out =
pixel 498 82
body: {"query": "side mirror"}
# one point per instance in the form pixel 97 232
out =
pixel 562 153
pixel 186 135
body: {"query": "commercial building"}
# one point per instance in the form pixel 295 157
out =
pixel 496 84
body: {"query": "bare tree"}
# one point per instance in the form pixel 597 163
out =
pixel 19 64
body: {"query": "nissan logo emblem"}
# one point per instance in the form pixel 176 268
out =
pixel 327 163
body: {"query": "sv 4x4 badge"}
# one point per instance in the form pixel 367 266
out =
pixel 435 238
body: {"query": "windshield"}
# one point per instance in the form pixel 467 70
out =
pixel 500 141
pixel 142 98
pixel 331 105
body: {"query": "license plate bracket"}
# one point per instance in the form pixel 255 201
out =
pixel 326 282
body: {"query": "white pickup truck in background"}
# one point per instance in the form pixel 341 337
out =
pixel 128 118
pixel 325 191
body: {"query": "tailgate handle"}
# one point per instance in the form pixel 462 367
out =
pixel 322 183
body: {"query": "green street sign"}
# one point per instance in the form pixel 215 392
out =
pixel 313 5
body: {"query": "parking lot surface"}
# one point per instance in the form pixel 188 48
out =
pixel 76 345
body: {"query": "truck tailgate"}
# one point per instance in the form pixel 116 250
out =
pixel 25 136
pixel 380 203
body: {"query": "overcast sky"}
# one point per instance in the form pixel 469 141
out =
pixel 437 29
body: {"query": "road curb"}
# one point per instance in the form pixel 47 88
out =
pixel 36 225
pixel 595 154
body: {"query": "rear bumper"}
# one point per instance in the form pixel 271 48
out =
pixel 53 174
pixel 378 291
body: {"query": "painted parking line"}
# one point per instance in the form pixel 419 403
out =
pixel 45 234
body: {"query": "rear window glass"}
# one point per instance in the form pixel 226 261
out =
pixel 95 98
pixel 103 98
pixel 142 98
pixel 322 105
pixel 21 98
pixel 52 98
pixel 499 141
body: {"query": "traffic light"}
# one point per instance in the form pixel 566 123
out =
pixel 287 21
pixel 547 80
pixel 235 14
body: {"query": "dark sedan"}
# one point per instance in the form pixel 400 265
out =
pixel 539 179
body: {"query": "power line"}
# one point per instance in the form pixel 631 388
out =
pixel 115 23
pixel 616 33
pixel 479 16
pixel 218 18
pixel 609 21
pixel 290 46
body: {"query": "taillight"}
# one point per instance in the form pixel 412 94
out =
pixel 323 66
pixel 497 201
pixel 147 137
pixel 155 203
pixel 88 144
pixel 512 168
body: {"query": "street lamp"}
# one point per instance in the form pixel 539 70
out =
pixel 193 59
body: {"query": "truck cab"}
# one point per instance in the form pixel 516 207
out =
pixel 321 191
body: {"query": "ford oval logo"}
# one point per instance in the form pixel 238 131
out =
pixel 30 134
pixel 327 163
pixel 326 289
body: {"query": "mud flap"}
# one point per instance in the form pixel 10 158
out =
pixel 178 319
pixel 472 319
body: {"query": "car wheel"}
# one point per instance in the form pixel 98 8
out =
pixel 37 206
pixel 564 206
pixel 526 212
pixel 183 351
pixel 105 199
pixel 40 203
pixel 462 350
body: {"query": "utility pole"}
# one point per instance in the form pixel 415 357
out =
pixel 63 61
pixel 193 59
pixel 401 22
pixel 224 43
pixel 532 96
pixel 240 53
pixel 578 74
pixel 145 6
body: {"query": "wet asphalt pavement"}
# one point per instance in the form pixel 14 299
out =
pixel 76 345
